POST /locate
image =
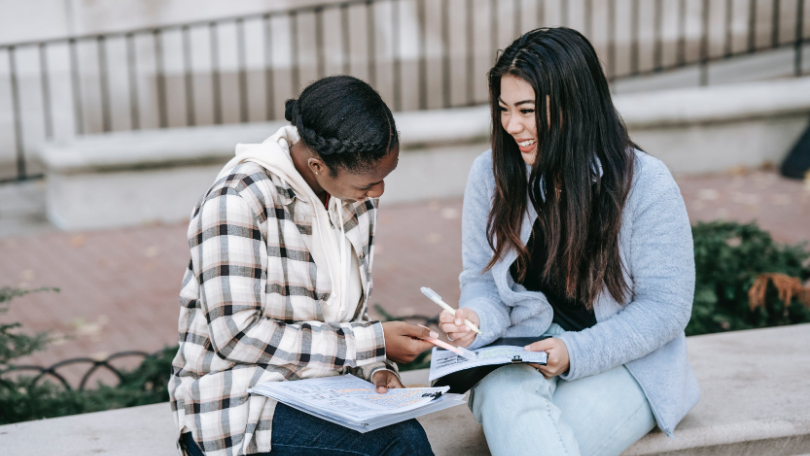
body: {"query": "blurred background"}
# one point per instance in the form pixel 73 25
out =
pixel 116 116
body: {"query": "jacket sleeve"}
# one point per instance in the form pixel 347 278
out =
pixel 663 275
pixel 478 289
pixel 230 261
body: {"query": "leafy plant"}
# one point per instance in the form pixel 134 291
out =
pixel 729 257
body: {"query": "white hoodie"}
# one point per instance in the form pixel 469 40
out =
pixel 330 248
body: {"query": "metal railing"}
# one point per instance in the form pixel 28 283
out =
pixel 94 365
pixel 190 74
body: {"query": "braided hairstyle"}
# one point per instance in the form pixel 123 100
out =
pixel 345 122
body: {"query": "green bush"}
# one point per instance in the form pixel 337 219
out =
pixel 728 258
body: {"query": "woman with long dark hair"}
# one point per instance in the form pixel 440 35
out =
pixel 571 232
pixel 279 279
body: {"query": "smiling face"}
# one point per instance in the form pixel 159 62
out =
pixel 351 186
pixel 517 105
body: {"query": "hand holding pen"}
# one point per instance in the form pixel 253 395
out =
pixel 460 325
pixel 454 327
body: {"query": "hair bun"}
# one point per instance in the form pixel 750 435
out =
pixel 290 109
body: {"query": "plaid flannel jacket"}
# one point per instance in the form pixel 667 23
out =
pixel 250 310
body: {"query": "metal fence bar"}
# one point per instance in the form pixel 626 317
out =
pixel 370 38
pixel 704 44
pixel 493 27
pixel 518 18
pixel 658 39
pixel 16 113
pixel 346 37
pixel 680 58
pixel 470 48
pixel 104 85
pixel 160 79
pixel 47 109
pixel 752 25
pixel 634 46
pixel 242 62
pixel 319 44
pixel 132 82
pixel 188 78
pixel 396 12
pixel 269 95
pixel 729 30
pixel 797 65
pixel 216 87
pixel 446 53
pixel 420 5
pixel 76 85
pixel 776 13
pixel 589 19
pixel 541 6
pixel 611 32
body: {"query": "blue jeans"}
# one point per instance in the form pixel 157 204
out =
pixel 523 413
pixel 297 433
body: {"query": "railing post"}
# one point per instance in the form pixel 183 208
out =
pixel 752 25
pixel 704 45
pixel 163 115
pixel 370 37
pixel 420 4
pixel 799 37
pixel 216 88
pixel 16 114
pixel 397 53
pixel 242 58
pixel 470 48
pixel 77 89
pixel 775 23
pixel 104 86
pixel 132 75
pixel 188 79
pixel 46 90
pixel 446 54
pixel 268 70
pixel 634 46
pixel 345 37
pixel 320 64
pixel 294 70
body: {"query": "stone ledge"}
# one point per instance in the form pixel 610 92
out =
pixel 754 401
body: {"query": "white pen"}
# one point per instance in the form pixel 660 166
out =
pixel 438 300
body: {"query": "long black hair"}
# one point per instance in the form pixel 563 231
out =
pixel 345 122
pixel 579 207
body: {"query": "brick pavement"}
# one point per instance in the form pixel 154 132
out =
pixel 119 288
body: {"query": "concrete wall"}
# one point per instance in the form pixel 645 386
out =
pixel 124 178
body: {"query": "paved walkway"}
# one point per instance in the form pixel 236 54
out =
pixel 119 288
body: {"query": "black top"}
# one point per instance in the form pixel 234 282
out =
pixel 570 314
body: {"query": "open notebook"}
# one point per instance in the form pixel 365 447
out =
pixel 354 403
pixel 460 374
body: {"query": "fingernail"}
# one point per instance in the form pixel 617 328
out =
pixel 459 322
pixel 434 334
pixel 526 347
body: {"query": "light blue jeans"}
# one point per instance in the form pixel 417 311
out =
pixel 523 413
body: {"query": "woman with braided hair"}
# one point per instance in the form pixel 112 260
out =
pixel 278 284
pixel 571 233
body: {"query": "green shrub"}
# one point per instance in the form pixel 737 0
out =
pixel 728 258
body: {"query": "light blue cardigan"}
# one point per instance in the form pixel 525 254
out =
pixel 646 334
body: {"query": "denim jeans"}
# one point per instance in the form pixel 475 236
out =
pixel 297 433
pixel 524 413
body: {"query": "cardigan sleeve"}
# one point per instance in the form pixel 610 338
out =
pixel 478 289
pixel 230 262
pixel 663 273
